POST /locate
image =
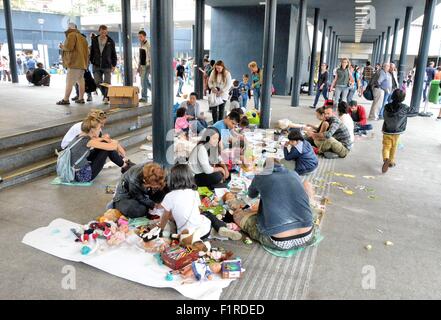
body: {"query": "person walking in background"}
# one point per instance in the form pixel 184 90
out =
pixel 367 74
pixel 386 83
pixel 75 60
pixel 381 84
pixel 342 82
pixel 144 64
pixel 180 76
pixel 220 83
pixel 103 58
pixel 322 84
pixel 430 75
pixel 31 64
pixel 256 82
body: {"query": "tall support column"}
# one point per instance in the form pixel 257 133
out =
pixel 394 42
pixel 377 58
pixel 269 39
pixel 334 47
pixel 11 43
pixel 199 48
pixel 374 48
pixel 337 51
pixel 329 48
pixel 322 47
pixel 313 52
pixel 423 52
pixel 127 41
pixel 162 78
pixel 404 43
pixel 298 59
pixel 381 56
pixel 386 50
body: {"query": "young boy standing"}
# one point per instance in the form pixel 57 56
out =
pixel 244 87
pixel 395 122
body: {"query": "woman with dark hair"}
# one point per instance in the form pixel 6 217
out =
pixel 343 81
pixel 344 117
pixel 204 160
pixel 140 189
pixel 182 206
pixel 322 127
pixel 220 83
pixel 300 152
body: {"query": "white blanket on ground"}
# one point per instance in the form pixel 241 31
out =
pixel 126 261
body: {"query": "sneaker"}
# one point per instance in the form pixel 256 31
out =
pixel 330 155
pixel 385 166
pixel 63 102
pixel 74 98
pixel 230 234
pixel 312 107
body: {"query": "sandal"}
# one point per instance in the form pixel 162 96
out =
pixel 80 101
pixel 63 102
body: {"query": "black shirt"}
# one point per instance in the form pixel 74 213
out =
pixel 37 75
pixel 180 71
pixel 323 78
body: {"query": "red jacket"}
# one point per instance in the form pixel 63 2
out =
pixel 359 116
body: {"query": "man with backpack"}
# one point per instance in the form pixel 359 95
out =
pixel 367 74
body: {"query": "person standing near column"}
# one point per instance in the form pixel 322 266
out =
pixel 322 84
pixel 144 64
pixel 386 82
pixel 430 74
pixel 220 83
pixel 103 58
pixel 381 82
pixel 75 54
pixel 256 82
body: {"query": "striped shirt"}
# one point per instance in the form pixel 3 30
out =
pixel 339 132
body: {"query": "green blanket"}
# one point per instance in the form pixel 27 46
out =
pixel 292 252
pixel 57 181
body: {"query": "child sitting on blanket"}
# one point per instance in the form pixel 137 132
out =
pixel 182 205
pixel 301 153
pixel 181 125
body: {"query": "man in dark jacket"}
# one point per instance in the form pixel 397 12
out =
pixel 395 122
pixel 103 58
pixel 132 198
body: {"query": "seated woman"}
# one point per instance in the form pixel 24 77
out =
pixel 182 206
pixel 204 160
pixel 139 190
pixel 301 153
pixel 322 127
pixel 90 152
pixel 346 118
pixel 284 218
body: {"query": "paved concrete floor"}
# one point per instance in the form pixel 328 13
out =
pixel 406 211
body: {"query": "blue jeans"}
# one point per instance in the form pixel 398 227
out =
pixel 256 95
pixel 324 91
pixel 181 84
pixel 385 101
pixel 244 101
pixel 426 85
pixel 145 83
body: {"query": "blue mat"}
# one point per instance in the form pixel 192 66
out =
pixel 292 252
pixel 57 181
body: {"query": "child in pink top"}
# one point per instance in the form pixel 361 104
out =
pixel 181 124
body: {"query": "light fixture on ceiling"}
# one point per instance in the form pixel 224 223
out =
pixel 363 1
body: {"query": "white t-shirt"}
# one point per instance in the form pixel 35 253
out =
pixel 184 206
pixel 349 123
pixel 73 132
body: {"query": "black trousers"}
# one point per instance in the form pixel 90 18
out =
pixel 131 208
pixel 98 159
pixel 216 224
pixel 210 181
pixel 217 112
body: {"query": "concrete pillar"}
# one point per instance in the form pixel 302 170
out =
pixel 381 56
pixel 199 48
pixel 322 47
pixel 11 42
pixel 127 41
pixel 374 48
pixel 162 77
pixel 334 47
pixel 298 59
pixel 386 50
pixel 269 39
pixel 328 50
pixel 394 42
pixel 423 52
pixel 404 43
pixel 313 52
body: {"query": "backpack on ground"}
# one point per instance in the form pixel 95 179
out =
pixel 65 170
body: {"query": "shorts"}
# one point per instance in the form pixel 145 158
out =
pixel 74 76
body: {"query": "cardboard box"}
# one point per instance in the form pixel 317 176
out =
pixel 123 97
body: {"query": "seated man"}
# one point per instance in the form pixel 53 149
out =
pixel 358 114
pixel 40 77
pixel 284 218
pixel 336 141
pixel 194 115
pixel 226 125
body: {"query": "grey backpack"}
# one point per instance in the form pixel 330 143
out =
pixel 65 170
